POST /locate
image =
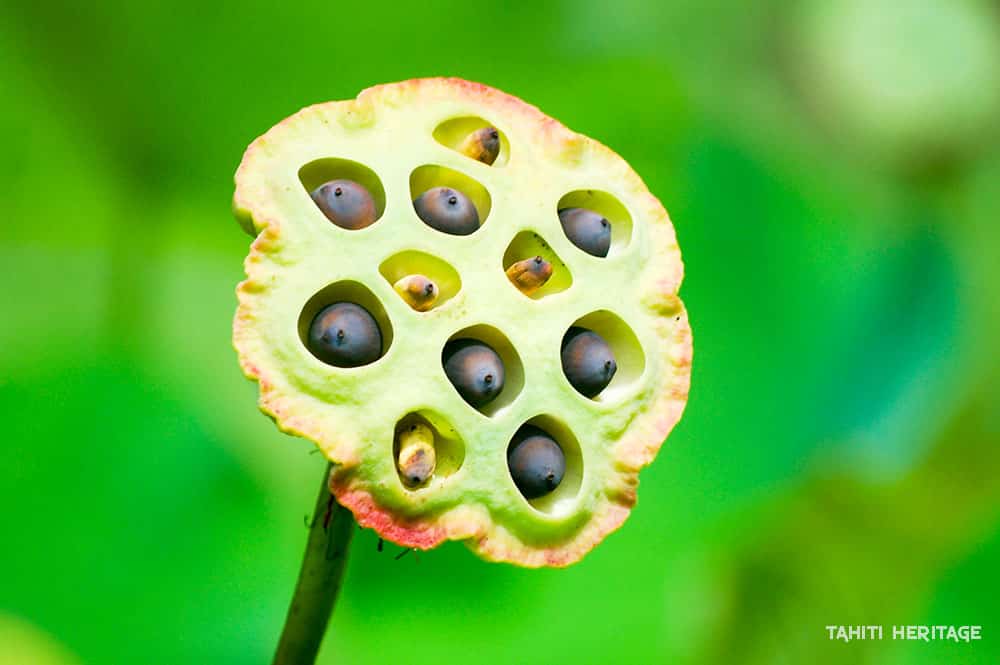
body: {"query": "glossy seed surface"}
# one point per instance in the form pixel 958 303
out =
pixel 537 463
pixel 417 291
pixel 587 229
pixel 482 145
pixel 447 210
pixel 587 361
pixel 345 334
pixel 529 275
pixel 475 370
pixel 345 203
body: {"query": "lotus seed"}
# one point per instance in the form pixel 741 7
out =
pixel 447 210
pixel 587 361
pixel 345 335
pixel 475 370
pixel 417 457
pixel 530 275
pixel 345 203
pixel 537 463
pixel 587 229
pixel 417 291
pixel 482 145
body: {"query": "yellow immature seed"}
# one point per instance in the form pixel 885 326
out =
pixel 417 291
pixel 417 458
pixel 530 275
pixel 482 145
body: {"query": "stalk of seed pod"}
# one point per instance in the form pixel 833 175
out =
pixel 482 145
pixel 417 459
pixel 529 275
pixel 417 291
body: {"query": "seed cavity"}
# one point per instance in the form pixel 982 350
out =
pixel 426 450
pixel 449 201
pixel 602 357
pixel 476 138
pixel 595 221
pixel 534 268
pixel 349 194
pixel 423 281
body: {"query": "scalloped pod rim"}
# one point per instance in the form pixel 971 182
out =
pixel 395 139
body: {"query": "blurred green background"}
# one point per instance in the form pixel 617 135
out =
pixel 833 172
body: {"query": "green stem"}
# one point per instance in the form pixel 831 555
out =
pixel 319 582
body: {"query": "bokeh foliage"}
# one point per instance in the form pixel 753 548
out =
pixel 832 170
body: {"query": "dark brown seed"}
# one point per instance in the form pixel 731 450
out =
pixel 345 335
pixel 529 275
pixel 447 210
pixel 475 370
pixel 482 145
pixel 536 462
pixel 587 361
pixel 345 203
pixel 587 229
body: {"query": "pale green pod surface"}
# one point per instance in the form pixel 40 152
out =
pixel 398 141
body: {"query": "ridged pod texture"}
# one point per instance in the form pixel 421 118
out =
pixel 399 140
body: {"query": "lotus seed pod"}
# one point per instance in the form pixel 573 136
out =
pixel 587 229
pixel 299 264
pixel 447 210
pixel 417 291
pixel 345 203
pixel 587 361
pixel 475 370
pixel 482 145
pixel 529 275
pixel 417 458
